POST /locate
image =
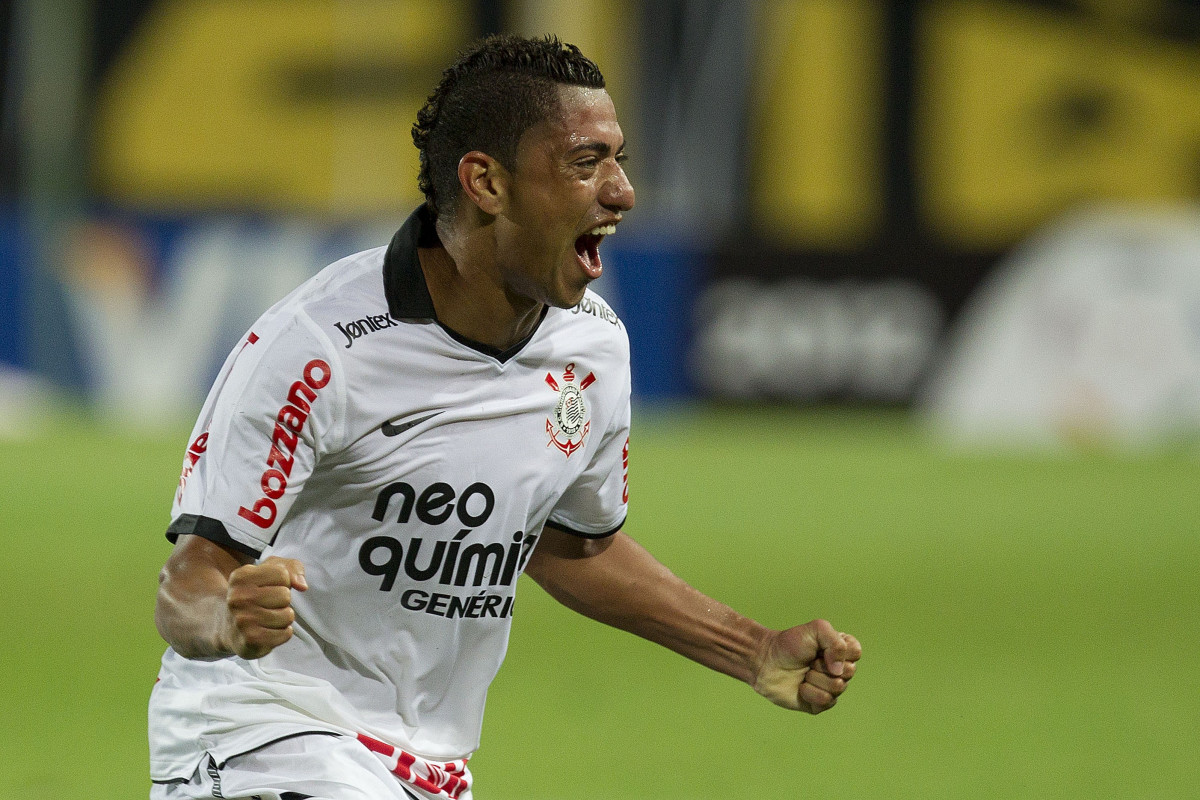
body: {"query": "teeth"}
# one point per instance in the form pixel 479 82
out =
pixel 602 230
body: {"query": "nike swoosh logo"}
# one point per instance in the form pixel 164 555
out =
pixel 390 428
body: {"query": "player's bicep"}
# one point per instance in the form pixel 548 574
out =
pixel 560 544
pixel 559 555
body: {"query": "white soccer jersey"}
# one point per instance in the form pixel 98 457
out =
pixel 412 472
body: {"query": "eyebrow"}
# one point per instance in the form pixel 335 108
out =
pixel 600 148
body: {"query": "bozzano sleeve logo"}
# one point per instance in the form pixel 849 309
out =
pixel 289 422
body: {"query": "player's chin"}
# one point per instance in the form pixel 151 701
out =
pixel 568 296
pixel 574 299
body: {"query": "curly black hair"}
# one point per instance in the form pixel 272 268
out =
pixel 496 90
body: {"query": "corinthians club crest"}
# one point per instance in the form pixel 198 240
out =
pixel 571 421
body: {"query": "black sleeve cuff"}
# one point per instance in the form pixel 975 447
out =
pixel 583 535
pixel 207 528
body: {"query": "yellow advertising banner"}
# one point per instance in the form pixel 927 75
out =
pixel 299 105
pixel 1026 113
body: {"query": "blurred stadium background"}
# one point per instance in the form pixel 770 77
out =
pixel 914 296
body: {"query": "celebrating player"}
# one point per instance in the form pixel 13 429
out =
pixel 396 441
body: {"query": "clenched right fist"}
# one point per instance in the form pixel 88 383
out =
pixel 259 605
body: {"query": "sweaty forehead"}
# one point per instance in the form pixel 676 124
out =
pixel 583 115
pixel 585 101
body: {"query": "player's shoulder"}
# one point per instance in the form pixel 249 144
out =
pixel 298 335
pixel 347 289
pixel 345 282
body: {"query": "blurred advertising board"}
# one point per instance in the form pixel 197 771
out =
pixel 153 304
pixel 897 152
pixel 1087 333
pixel 13 325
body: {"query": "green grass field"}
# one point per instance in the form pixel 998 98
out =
pixel 1031 625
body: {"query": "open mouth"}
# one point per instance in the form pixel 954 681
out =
pixel 587 248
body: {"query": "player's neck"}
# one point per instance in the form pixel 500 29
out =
pixel 474 306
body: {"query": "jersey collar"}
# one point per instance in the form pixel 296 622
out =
pixel 403 281
pixel 404 284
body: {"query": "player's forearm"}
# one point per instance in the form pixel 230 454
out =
pixel 679 617
pixel 626 587
pixel 191 612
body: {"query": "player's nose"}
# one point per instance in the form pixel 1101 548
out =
pixel 617 192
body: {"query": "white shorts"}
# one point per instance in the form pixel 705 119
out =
pixel 317 766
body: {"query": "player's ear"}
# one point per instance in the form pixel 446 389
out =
pixel 484 180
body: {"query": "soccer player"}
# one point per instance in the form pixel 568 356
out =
pixel 397 440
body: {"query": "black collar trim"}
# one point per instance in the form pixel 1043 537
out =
pixel 403 281
pixel 407 293
pixel 488 350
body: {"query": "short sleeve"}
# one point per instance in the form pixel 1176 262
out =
pixel 268 418
pixel 595 504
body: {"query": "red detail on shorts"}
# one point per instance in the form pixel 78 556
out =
pixel 376 746
pixel 252 338
pixel 625 472
pixel 444 779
